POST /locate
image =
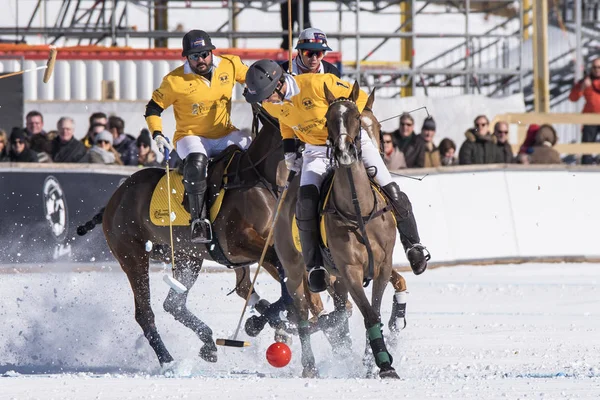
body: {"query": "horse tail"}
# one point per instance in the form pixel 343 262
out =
pixel 91 224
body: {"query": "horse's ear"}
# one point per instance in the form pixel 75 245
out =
pixel 328 95
pixel 355 91
pixel 371 100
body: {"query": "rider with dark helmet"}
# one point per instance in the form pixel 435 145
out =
pixel 299 103
pixel 200 92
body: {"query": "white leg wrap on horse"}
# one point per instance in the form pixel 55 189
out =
pixel 401 297
pixel 254 298
pixel 372 158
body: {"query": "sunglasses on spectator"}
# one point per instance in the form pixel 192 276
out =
pixel 18 141
pixel 502 132
pixel 103 141
pixel 142 145
pixel 387 141
pixel 481 124
pixel 197 56
pixel 311 53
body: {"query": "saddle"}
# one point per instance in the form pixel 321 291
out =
pixel 325 208
pixel 218 180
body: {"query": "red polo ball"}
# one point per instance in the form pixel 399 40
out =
pixel 279 355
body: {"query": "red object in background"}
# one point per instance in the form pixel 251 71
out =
pixel 279 355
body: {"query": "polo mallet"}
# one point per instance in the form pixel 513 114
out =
pixel 171 281
pixel 239 343
pixel 49 67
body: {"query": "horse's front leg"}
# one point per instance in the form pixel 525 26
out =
pixel 397 320
pixel 335 324
pixel 186 272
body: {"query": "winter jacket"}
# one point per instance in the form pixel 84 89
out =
pixel 506 154
pixel 422 154
pixel 395 160
pixel 69 152
pixel 543 151
pixel 479 150
pixel 97 155
pixel 26 155
pixel 591 95
pixel 126 146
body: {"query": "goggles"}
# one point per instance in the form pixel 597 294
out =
pixel 197 56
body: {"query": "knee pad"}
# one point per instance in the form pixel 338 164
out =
pixel 194 172
pixel 307 207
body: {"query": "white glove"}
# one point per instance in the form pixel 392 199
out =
pixel 293 161
pixel 163 143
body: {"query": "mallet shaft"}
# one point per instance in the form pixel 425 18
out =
pixel 232 343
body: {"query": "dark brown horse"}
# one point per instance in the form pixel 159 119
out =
pixel 241 228
pixel 357 253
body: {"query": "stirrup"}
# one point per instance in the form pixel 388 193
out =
pixel 316 279
pixel 201 231
pixel 418 255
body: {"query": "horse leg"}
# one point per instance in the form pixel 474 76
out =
pixel 299 314
pixel 187 272
pixel 136 269
pixel 335 324
pixel 372 318
pixel 397 320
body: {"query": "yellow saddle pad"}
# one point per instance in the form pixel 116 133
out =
pixel 322 230
pixel 159 204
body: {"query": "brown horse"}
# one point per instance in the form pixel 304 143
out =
pixel 357 254
pixel 241 228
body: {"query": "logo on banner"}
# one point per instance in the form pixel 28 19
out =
pixel 55 208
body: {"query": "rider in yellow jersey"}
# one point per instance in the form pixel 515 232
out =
pixel 299 103
pixel 200 92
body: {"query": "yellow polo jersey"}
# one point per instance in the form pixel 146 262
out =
pixel 200 109
pixel 303 116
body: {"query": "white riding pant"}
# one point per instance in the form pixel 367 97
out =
pixel 315 163
pixel 211 147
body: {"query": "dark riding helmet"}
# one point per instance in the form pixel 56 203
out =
pixel 196 41
pixel 261 80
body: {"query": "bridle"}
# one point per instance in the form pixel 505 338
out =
pixel 354 142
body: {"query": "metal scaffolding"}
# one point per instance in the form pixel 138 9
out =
pixel 489 63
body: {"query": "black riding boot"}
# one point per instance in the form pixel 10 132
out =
pixel 416 253
pixel 194 181
pixel 307 217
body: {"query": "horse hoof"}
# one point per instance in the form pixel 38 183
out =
pixel 388 374
pixel 282 336
pixel 254 325
pixel 310 372
pixel 208 353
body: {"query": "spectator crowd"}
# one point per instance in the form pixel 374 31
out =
pixel 104 143
pixel 404 148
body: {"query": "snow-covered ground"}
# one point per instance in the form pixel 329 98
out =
pixel 496 332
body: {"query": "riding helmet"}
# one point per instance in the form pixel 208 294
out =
pixel 261 80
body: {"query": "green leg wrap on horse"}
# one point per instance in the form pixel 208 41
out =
pixel 378 345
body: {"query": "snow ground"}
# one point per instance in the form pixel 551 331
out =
pixel 496 332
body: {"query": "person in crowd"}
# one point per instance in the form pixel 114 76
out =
pixel 4 149
pixel 284 96
pixel 102 152
pixel 96 119
pixel 65 148
pixel 203 118
pixel 34 124
pixel 146 156
pixel 543 151
pixel 312 46
pixel 527 145
pixel 393 158
pixel 405 133
pixel 285 44
pixel 420 151
pixel 503 147
pixel 589 89
pixel 123 142
pixel 19 148
pixel 480 145
pixel 447 149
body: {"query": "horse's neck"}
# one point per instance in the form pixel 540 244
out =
pixel 266 142
pixel 342 193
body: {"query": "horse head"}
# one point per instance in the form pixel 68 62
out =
pixel 343 126
pixel 370 123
